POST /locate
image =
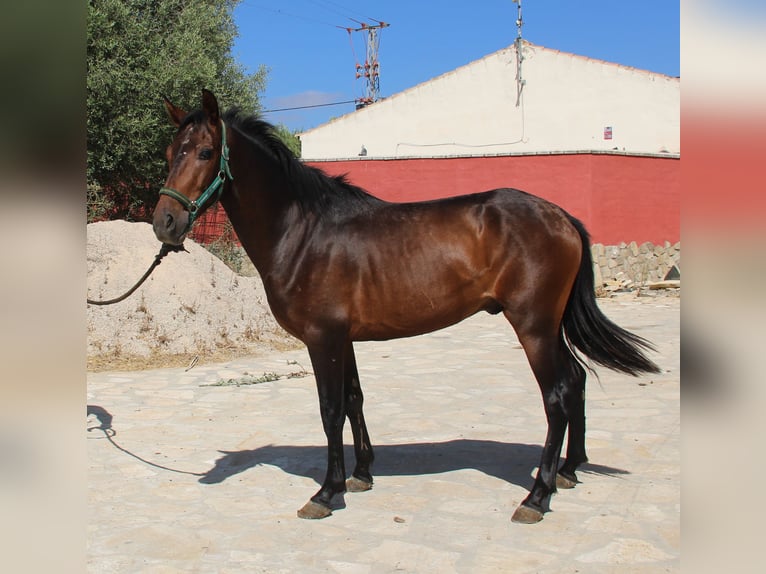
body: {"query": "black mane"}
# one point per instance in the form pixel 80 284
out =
pixel 313 188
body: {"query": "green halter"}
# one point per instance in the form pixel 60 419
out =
pixel 214 189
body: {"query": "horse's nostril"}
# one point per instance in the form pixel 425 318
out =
pixel 169 221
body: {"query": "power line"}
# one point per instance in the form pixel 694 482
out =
pixel 311 106
pixel 346 10
pixel 324 6
pixel 281 12
pixel 300 16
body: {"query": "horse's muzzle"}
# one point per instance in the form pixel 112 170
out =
pixel 170 226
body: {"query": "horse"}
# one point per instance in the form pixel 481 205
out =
pixel 339 265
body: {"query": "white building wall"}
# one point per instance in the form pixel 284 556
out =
pixel 567 102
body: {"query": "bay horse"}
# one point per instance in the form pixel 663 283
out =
pixel 340 265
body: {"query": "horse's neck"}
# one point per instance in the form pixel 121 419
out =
pixel 260 210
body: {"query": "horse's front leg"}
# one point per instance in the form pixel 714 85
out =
pixel 548 358
pixel 327 359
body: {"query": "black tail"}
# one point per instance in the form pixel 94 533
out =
pixel 588 330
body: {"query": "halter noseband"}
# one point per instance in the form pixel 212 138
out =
pixel 215 188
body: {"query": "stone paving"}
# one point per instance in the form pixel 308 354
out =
pixel 187 475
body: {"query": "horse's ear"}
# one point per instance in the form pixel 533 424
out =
pixel 210 105
pixel 176 114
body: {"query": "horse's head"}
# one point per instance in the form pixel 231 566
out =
pixel 198 169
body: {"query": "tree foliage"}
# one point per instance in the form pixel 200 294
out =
pixel 290 138
pixel 137 52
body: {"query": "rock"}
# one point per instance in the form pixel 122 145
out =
pixel 674 273
pixel 669 284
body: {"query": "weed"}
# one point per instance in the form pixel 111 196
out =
pixel 142 308
pixel 191 309
pixel 226 249
pixel 99 204
pixel 249 379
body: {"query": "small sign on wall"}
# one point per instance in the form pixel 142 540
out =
pixel 608 132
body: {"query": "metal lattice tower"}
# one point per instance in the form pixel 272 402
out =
pixel 370 70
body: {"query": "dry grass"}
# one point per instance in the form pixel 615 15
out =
pixel 160 360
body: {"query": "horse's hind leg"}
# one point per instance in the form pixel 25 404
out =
pixel 548 357
pixel 361 479
pixel 575 409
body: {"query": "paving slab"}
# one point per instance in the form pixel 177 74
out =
pixel 190 472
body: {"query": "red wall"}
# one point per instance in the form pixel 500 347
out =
pixel 619 198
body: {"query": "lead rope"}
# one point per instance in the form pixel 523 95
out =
pixel 109 433
pixel 164 250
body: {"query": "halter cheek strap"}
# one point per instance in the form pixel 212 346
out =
pixel 214 189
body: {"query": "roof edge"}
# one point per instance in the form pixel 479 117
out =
pixel 667 155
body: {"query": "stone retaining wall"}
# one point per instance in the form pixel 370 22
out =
pixel 639 264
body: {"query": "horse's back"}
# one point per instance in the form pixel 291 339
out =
pixel 515 205
pixel 503 218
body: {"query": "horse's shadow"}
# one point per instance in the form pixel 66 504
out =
pixel 511 462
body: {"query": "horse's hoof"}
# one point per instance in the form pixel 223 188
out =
pixel 564 482
pixel 313 511
pixel 354 484
pixel 526 515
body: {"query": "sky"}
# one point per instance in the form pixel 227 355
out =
pixel 311 57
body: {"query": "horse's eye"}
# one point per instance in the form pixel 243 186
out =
pixel 206 153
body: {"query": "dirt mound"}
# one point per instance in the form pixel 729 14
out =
pixel 192 305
